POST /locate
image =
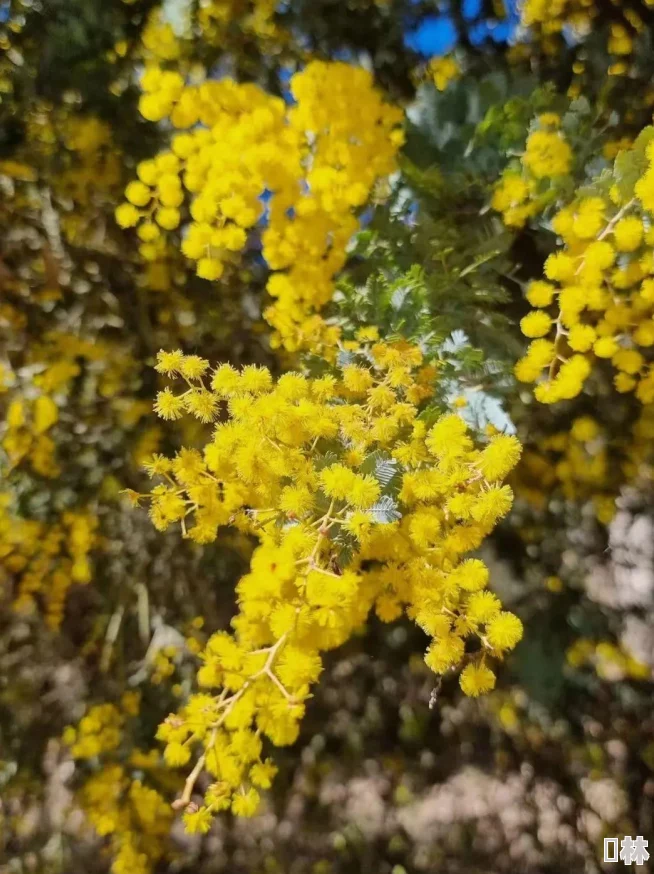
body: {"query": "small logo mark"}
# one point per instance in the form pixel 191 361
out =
pixel 632 850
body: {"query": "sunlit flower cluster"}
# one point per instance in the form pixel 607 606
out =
pixel 43 554
pixel 574 463
pixel 25 434
pixel 249 162
pixel 43 561
pixel 89 163
pixel 32 408
pixel 359 503
pixel 555 23
pixel 609 660
pixel 551 18
pixel 586 464
pixel 443 70
pixel 254 17
pixel 100 730
pixel 529 184
pixel 159 41
pixel 134 816
pixel 116 798
pixel 597 299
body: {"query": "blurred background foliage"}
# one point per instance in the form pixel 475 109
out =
pixel 94 603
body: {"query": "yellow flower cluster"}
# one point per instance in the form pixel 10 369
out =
pixel 587 465
pixel 597 300
pixel 525 189
pixel 159 42
pixel 95 165
pixel 163 664
pixel 638 457
pixel 215 22
pixel 549 20
pixel 254 17
pixel 574 462
pixel 610 661
pixel 25 436
pixel 297 173
pixel 33 410
pixel 359 503
pixel 443 70
pixel 552 17
pixel 45 560
pixel 135 816
pixel 89 168
pixel 98 731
